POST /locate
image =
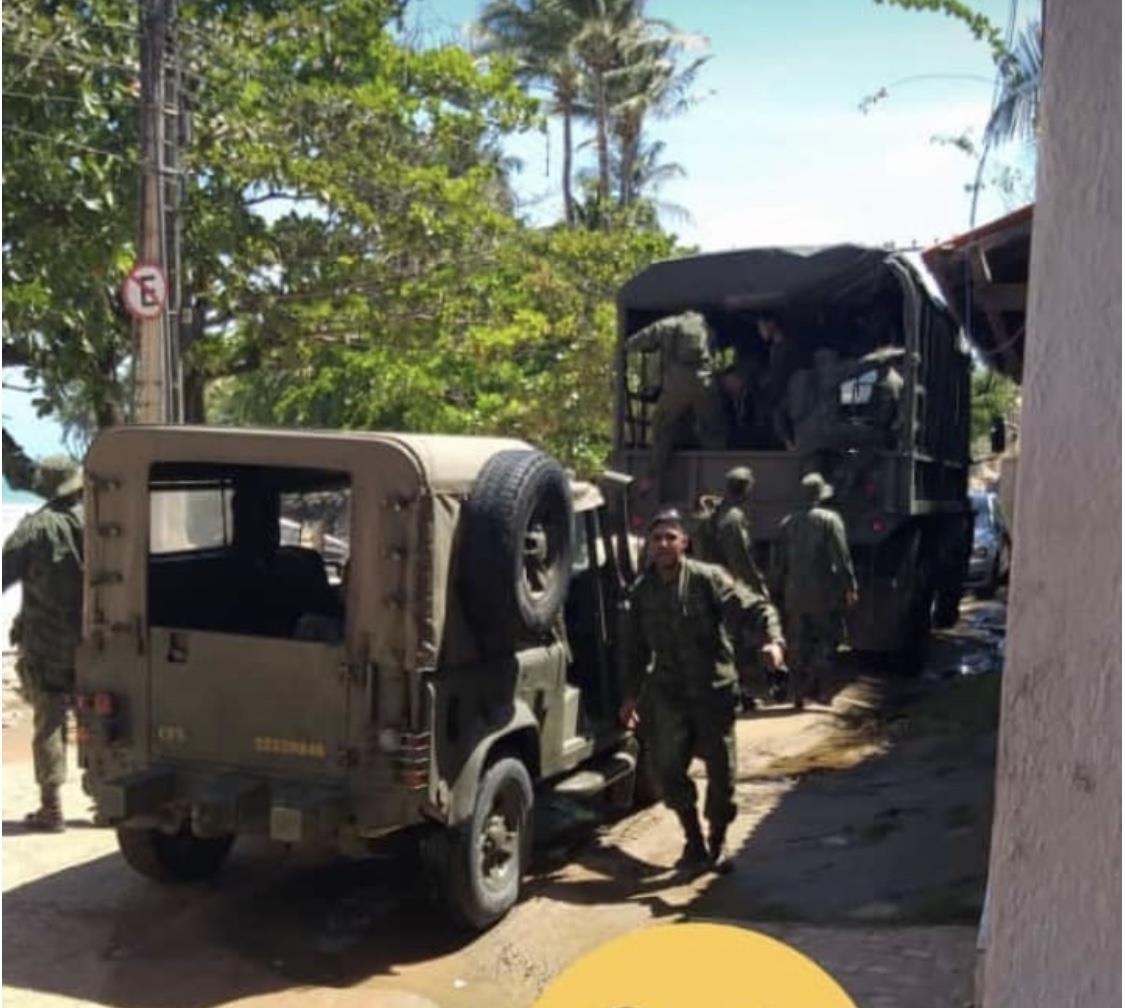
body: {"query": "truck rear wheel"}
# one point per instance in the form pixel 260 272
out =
pixel 173 857
pixel 489 854
pixel 516 555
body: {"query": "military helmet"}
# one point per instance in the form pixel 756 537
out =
pixel 58 476
pixel 740 478
pixel 667 516
pixel 815 488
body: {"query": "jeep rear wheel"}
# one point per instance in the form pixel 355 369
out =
pixel 173 857
pixel 516 555
pixel 489 854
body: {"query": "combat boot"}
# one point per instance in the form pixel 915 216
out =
pixel 48 818
pixel 694 857
pixel 779 690
pixel 717 851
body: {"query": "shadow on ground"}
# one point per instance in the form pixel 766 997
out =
pixel 898 837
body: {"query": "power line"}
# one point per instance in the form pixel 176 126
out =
pixel 129 103
pixel 8 128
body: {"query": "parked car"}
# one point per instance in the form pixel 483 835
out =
pixel 991 555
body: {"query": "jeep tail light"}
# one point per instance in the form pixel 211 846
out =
pixel 412 761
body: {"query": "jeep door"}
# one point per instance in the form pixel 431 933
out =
pixel 246 617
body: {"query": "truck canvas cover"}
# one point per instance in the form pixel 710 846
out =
pixel 752 279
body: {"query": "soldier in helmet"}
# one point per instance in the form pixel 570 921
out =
pixel 44 554
pixel 732 544
pixel 688 394
pixel 733 541
pixel 818 583
pixel 683 614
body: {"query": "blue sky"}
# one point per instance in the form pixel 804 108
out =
pixel 778 152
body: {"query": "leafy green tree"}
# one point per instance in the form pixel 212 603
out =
pixel 69 209
pixel 523 347
pixel 382 164
pixel 992 395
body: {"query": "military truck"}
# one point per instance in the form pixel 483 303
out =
pixel 869 341
pixel 463 660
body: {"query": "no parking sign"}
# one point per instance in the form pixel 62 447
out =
pixel 145 291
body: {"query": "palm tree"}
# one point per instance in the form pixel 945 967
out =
pixel 1015 113
pixel 1015 107
pixel 647 174
pixel 610 28
pixel 649 83
pixel 539 34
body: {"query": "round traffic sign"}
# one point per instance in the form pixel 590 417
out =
pixel 144 291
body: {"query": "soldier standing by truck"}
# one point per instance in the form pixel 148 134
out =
pixel 683 614
pixel 818 583
pixel 732 547
pixel 44 554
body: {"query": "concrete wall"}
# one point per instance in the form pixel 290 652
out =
pixel 1055 879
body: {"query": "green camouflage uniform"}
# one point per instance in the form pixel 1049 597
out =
pixel 816 571
pixel 44 554
pixel 19 470
pixel 734 545
pixel 682 665
pixel 687 388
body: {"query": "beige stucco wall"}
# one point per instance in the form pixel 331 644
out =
pixel 1055 879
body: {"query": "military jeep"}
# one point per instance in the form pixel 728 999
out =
pixel 239 674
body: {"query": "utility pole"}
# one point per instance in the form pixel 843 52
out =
pixel 157 380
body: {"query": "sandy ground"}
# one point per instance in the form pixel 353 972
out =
pixel 862 841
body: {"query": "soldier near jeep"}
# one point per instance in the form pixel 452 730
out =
pixel 680 675
pixel 44 554
pixel 818 584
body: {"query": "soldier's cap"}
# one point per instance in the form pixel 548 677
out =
pixel 815 488
pixel 58 476
pixel 740 476
pixel 667 516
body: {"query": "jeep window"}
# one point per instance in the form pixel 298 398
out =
pixel 581 553
pixel 252 550
pixel 189 518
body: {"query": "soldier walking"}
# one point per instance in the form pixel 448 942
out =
pixel 44 554
pixel 818 584
pixel 687 391
pixel 732 545
pixel 683 614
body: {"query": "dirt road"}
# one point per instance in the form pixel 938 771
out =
pixel 861 842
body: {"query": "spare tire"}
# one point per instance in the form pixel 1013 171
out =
pixel 516 547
